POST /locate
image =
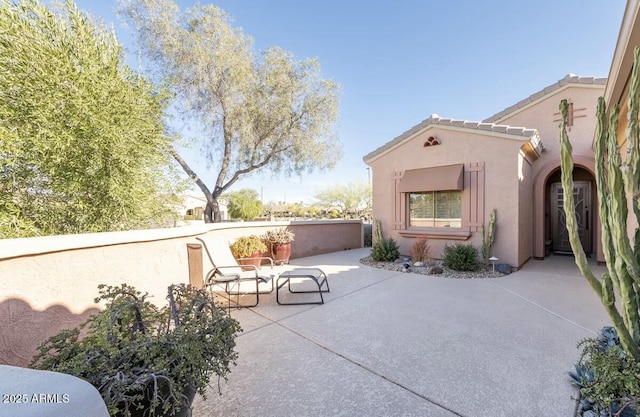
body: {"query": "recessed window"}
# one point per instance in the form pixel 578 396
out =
pixel 435 209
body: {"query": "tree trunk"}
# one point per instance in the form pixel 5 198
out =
pixel 208 210
pixel 212 212
pixel 217 217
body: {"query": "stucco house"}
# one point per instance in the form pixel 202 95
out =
pixel 443 177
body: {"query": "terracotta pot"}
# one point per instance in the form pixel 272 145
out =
pixel 255 262
pixel 280 252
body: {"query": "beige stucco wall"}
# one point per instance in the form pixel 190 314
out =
pixel 500 155
pixel 544 116
pixel 48 284
pixel 525 209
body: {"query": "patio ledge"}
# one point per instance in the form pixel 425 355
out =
pixel 437 233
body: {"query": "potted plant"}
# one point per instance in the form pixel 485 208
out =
pixel 279 243
pixel 144 359
pixel 248 250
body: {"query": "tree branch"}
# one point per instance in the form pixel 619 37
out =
pixel 191 173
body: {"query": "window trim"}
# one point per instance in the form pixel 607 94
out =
pixel 436 233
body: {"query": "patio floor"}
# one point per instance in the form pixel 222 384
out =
pixel 387 343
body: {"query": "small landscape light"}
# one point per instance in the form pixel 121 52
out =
pixel 493 260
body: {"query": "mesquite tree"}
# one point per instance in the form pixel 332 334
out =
pixel 252 111
pixel 617 179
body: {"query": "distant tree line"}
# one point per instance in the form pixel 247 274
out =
pixel 350 201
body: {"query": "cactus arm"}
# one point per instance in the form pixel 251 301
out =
pixel 602 191
pixel 601 182
pixel 566 161
pixel 618 274
pixel 629 305
pixel 632 165
pixel 618 211
pixel 604 290
pixel 492 229
pixel 626 322
pixel 488 237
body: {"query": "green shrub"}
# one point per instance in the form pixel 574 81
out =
pixel 385 250
pixel 607 377
pixel 137 354
pixel 461 257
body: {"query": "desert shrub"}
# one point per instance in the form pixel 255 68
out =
pixel 141 356
pixel 461 257
pixel 385 250
pixel 607 377
pixel 420 249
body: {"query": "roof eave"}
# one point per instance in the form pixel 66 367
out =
pixel 570 80
pixel 479 128
pixel 622 61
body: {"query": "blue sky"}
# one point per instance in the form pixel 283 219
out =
pixel 398 61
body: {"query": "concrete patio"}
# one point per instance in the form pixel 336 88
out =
pixel 399 344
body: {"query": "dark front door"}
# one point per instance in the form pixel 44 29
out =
pixel 559 233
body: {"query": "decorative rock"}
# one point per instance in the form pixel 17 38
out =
pixel 426 269
pixel 503 268
pixel 418 264
pixel 435 270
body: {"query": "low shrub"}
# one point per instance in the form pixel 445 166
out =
pixel 607 377
pixel 461 257
pixel 420 249
pixel 385 250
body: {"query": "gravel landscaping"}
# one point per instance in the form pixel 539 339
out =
pixel 433 267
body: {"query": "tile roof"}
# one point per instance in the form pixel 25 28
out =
pixel 434 119
pixel 568 79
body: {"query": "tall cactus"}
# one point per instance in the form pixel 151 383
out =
pixel 488 237
pixel 616 179
pixel 377 233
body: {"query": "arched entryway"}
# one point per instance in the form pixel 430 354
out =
pixel 548 216
pixel 556 234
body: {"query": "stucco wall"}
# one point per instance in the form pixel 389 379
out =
pixel 544 116
pixel 48 284
pixel 501 188
pixel 525 212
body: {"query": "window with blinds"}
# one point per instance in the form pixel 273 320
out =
pixel 435 209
